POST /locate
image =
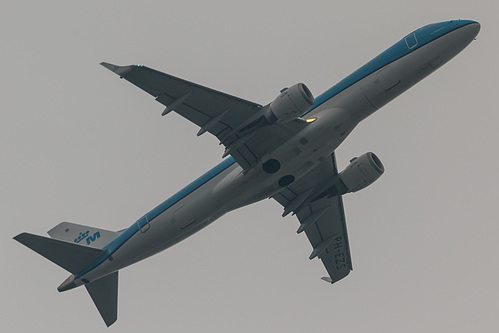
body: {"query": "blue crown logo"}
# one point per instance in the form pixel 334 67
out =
pixel 82 236
pixel 86 235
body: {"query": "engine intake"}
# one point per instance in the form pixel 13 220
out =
pixel 290 104
pixel 362 172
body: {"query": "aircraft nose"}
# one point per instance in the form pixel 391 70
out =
pixel 469 31
pixel 464 33
pixel 473 29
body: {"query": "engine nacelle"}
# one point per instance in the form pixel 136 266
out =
pixel 290 104
pixel 362 172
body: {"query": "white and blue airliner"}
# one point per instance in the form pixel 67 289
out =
pixel 283 150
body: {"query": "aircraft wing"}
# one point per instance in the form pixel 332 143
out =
pixel 234 121
pixel 321 218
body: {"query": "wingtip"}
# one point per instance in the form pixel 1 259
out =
pixel 110 322
pixel 327 279
pixel 120 70
pixel 108 65
pixel 20 237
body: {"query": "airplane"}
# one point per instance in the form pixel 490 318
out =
pixel 283 150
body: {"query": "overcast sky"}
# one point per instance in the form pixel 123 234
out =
pixel 80 145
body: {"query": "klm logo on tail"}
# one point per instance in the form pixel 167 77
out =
pixel 89 238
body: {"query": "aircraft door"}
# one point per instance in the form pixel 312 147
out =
pixel 411 41
pixel 143 224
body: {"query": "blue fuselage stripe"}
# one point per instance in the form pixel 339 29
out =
pixel 408 44
pixel 116 243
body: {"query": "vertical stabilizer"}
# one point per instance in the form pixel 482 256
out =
pixel 104 293
pixel 82 234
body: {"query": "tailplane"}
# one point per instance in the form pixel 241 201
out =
pixel 104 293
pixel 72 257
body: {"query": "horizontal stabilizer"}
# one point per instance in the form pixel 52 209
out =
pixel 104 293
pixel 72 257
pixel 82 234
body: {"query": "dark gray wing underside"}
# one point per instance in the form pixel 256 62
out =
pixel 227 117
pixel 322 219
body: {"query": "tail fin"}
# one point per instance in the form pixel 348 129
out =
pixel 72 257
pixel 104 293
pixel 83 235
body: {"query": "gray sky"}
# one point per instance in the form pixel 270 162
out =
pixel 80 145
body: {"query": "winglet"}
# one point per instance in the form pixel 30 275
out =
pixel 120 70
pixel 327 279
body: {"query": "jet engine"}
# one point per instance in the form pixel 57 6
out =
pixel 290 104
pixel 361 172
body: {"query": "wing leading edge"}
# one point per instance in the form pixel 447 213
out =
pixel 321 218
pixel 236 123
